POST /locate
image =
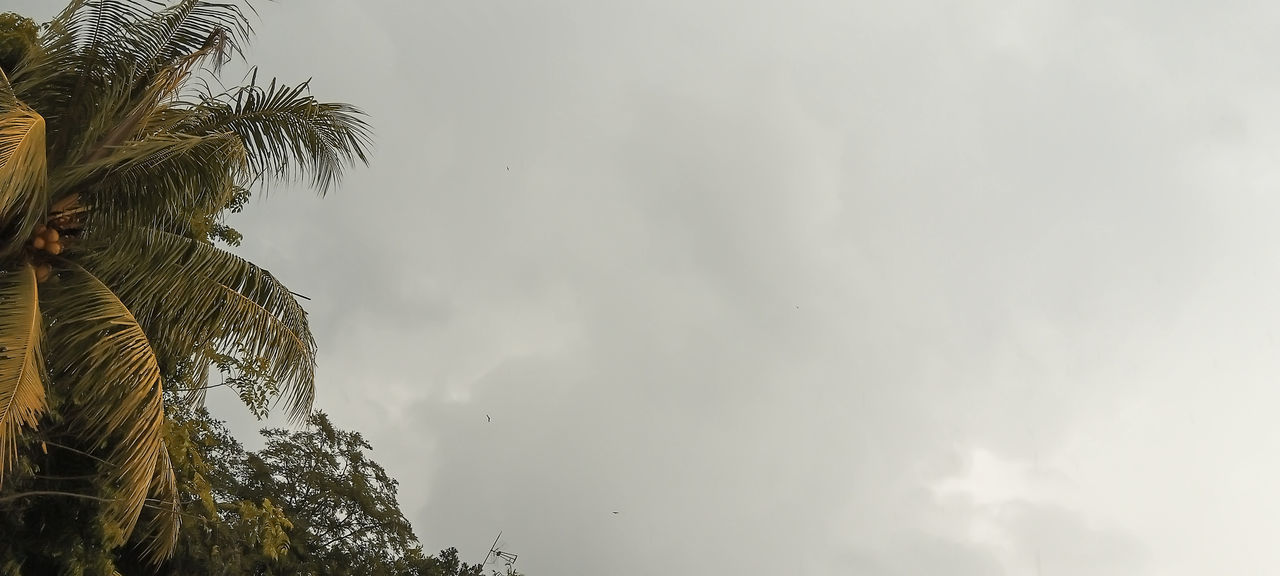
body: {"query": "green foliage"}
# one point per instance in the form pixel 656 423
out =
pixel 446 563
pixel 310 502
pixel 251 378
pixel 342 504
pixel 49 524
pixel 18 37
pixel 118 166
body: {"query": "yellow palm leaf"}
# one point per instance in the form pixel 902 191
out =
pixel 21 366
pixel 165 512
pixel 23 173
pixel 114 381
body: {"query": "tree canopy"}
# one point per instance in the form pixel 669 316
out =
pixel 311 501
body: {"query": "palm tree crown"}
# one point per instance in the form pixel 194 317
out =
pixel 118 161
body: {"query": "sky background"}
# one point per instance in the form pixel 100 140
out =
pixel 971 287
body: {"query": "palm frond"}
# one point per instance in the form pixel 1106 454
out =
pixel 287 132
pixel 21 364
pixel 159 181
pixel 84 38
pixel 189 294
pixel 105 91
pixel 190 27
pixel 110 369
pixel 47 75
pixel 93 22
pixel 23 173
pixel 164 512
pixel 170 44
pixel 8 98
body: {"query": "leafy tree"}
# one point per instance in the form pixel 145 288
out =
pixel 310 502
pixel 342 504
pixel 118 163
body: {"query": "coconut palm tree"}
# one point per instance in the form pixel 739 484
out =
pixel 119 156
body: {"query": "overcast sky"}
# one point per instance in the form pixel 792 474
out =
pixel 970 287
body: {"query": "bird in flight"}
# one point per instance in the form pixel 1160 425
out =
pixel 488 418
pixel 615 512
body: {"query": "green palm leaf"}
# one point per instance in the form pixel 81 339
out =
pixel 162 180
pixel 21 365
pixel 188 294
pixel 105 360
pixel 95 23
pixel 286 131
pixel 189 27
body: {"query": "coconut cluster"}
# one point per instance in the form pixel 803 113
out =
pixel 48 240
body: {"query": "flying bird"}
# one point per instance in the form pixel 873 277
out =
pixel 615 512
pixel 488 418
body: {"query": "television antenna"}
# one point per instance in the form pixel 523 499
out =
pixel 498 554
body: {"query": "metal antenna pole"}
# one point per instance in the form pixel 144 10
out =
pixel 491 547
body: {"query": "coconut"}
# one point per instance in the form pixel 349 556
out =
pixel 42 272
pixel 51 235
pixel 38 242
pixel 54 248
pixel 40 229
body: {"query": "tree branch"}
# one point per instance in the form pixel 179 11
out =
pixel 80 452
pixel 21 495
pixel 326 543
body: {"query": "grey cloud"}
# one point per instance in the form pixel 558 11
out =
pixel 954 215
pixel 761 273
